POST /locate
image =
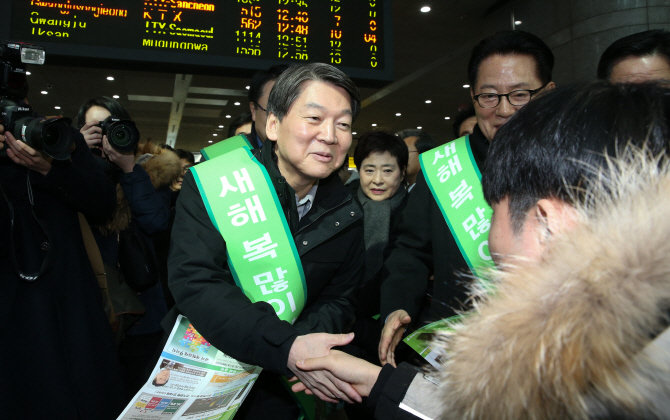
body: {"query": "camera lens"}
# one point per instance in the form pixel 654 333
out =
pixel 50 136
pixel 121 136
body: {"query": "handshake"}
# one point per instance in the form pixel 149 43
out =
pixel 331 375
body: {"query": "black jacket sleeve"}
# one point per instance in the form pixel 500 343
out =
pixel 389 391
pixel 80 183
pixel 205 292
pixel 410 262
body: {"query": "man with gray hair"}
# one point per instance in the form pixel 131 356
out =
pixel 417 142
pixel 310 112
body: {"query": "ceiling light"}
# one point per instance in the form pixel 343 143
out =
pixel 115 96
pixel 110 78
pixel 247 87
pixel 354 133
pixel 57 107
pixel 447 118
pixel 418 128
pixel 28 73
pixel 220 126
pixel 428 101
pixel 374 125
pixel 466 86
pixel 215 134
pixel 398 114
pixel 227 116
pixel 237 103
pixel 517 22
pixel 210 141
pixel 425 9
pixel 44 92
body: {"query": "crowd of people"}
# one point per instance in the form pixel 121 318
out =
pixel 562 189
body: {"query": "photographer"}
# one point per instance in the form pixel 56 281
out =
pixel 49 298
pixel 142 209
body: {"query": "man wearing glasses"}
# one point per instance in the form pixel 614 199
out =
pixel 506 71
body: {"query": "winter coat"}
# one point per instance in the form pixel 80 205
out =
pixel 143 202
pixel 582 333
pixel 422 246
pixel 57 338
pixel 329 241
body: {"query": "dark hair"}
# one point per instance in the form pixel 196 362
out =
pixel 424 141
pixel 261 78
pixel 460 118
pixel 289 85
pixel 380 142
pixel 111 105
pixel 641 44
pixel 165 146
pixel 239 121
pixel 186 155
pixel 512 42
pixel 550 146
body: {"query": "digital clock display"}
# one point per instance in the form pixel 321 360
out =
pixel 244 34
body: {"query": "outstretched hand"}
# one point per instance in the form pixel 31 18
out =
pixel 395 326
pixel 361 374
pixel 321 383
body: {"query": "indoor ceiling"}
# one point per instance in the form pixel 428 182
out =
pixel 430 58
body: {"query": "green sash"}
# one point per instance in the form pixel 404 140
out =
pixel 225 146
pixel 455 181
pixel 244 208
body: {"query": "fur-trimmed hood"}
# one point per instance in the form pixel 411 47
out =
pixel 563 338
pixel 163 169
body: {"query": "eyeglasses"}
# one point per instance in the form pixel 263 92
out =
pixel 515 98
pixel 265 110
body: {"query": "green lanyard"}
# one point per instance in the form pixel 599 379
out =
pixel 455 181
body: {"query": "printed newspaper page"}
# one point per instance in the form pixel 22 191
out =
pixel 192 381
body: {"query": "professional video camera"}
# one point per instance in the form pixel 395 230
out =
pixel 52 136
pixel 121 134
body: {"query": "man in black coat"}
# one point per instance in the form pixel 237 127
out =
pixel 311 109
pixel 502 68
pixel 60 358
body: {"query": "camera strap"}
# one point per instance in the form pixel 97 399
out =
pixel 47 263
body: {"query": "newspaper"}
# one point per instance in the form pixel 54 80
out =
pixel 192 381
pixel 422 341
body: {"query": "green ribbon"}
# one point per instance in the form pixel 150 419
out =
pixel 225 146
pixel 455 181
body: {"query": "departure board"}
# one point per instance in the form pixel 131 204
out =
pixel 354 35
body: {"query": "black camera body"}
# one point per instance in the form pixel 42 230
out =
pixel 122 135
pixel 52 136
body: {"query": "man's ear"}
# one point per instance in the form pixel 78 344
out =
pixel 252 109
pixel 553 216
pixel 550 86
pixel 272 126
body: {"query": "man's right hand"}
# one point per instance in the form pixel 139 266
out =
pixel 92 133
pixel 395 326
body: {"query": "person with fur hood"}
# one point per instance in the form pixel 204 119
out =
pixel 143 181
pixel 577 326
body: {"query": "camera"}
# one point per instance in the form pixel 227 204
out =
pixel 52 136
pixel 122 135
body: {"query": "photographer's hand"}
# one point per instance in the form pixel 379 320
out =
pixel 92 133
pixel 24 155
pixel 2 137
pixel 124 161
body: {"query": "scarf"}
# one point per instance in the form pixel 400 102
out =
pixel 376 225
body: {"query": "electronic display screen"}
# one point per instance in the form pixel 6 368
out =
pixel 244 34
